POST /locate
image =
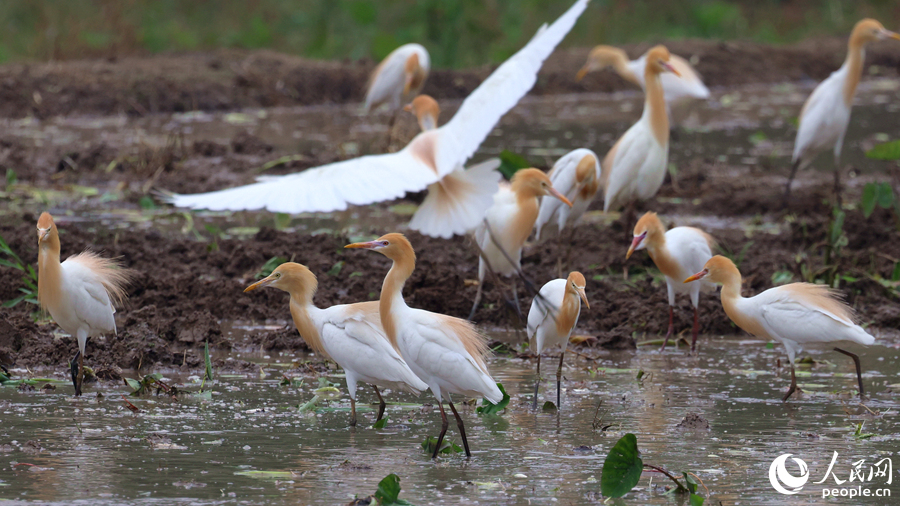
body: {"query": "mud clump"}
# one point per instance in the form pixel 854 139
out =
pixel 693 421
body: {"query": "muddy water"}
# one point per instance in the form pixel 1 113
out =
pixel 248 443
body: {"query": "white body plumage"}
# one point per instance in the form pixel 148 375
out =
pixel 636 166
pixel 689 85
pixel 83 308
pixel 823 120
pixel 543 331
pixel 388 81
pixel 554 215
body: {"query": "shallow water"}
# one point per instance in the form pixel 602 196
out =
pixel 248 444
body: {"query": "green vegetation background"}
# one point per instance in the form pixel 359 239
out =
pixel 458 33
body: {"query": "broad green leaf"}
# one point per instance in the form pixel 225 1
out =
pixel 548 406
pixel 622 468
pixel 133 384
pixel 511 162
pixel 697 500
pixel 336 268
pixel 487 408
pixel 885 151
pixel 885 196
pixel 895 276
pixel 869 199
pixel 447 446
pixel 690 481
pixel 13 302
pixel 388 489
pixel 380 423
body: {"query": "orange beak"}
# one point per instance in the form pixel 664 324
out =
pixel 668 66
pixel 42 235
pixel 581 73
pixel 634 244
pixel 891 35
pixel 408 108
pixel 364 245
pixel 259 284
pixel 584 297
pixel 554 192
pixel 700 275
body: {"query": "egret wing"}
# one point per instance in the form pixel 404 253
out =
pixel 89 297
pixel 502 90
pixel 332 187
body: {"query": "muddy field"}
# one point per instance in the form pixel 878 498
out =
pixel 189 283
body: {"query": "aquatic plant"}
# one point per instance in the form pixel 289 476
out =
pixel 623 467
pixel 487 408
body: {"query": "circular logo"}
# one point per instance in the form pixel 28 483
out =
pixel 783 481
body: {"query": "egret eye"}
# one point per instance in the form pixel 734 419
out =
pixel 385 243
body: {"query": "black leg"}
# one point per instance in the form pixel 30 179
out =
pixel 837 184
pixel 559 377
pixel 787 188
pixel 671 329
pixel 462 429
pixel 537 383
pixel 352 412
pixel 381 404
pixel 862 392
pixel 444 424
pixel 793 385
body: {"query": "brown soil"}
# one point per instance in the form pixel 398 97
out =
pixel 234 79
pixel 185 287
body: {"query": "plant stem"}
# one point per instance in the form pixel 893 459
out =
pixel 668 475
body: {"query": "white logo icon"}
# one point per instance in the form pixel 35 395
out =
pixel 778 475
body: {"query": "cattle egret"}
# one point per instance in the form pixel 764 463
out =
pixel 508 224
pixel 428 158
pixel 457 202
pixel 676 253
pixel 796 315
pixel 689 85
pixel 349 334
pixel 447 353
pixel 79 293
pixel 636 165
pixel 551 320
pixel 577 176
pixel 398 78
pixel 826 113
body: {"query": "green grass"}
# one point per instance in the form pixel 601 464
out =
pixel 458 33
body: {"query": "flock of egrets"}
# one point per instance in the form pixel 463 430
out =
pixel 386 343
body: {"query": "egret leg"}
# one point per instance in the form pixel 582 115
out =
pixel 462 429
pixel 477 299
pixel 862 392
pixel 793 385
pixel 695 330
pixel 381 404
pixel 537 384
pixel 515 292
pixel 837 184
pixel 352 412
pixel 390 137
pixel 73 369
pixel 671 328
pixel 444 424
pixel 559 377
pixel 787 188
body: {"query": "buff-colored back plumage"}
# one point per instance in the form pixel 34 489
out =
pixel 110 272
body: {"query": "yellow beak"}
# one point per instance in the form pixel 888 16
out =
pixel 581 73
pixel 553 191
pixel 700 275
pixel 892 35
pixel 363 245
pixel 258 284
pixel 584 297
pixel 634 244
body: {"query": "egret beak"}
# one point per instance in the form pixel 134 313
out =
pixel 581 73
pixel 259 284
pixel 700 275
pixel 634 244
pixel 584 297
pixel 668 66
pixel 887 34
pixel 553 191
pixel 408 108
pixel 365 245
pixel 43 234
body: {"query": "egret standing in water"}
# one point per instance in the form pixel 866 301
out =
pixel 349 334
pixel 826 113
pixel 551 320
pixel 796 315
pixel 80 293
pixel 447 353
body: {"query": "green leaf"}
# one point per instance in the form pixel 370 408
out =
pixel 447 446
pixel 782 277
pixel 690 481
pixel 380 423
pixel 310 405
pixel 269 266
pixel 511 162
pixel 885 196
pixel 487 408
pixel 895 276
pixel 869 199
pixel 134 385
pixel 697 500
pixel 336 268
pixel 885 151
pixel 13 302
pixel 388 489
pixel 11 177
pixel 548 406
pixel 622 468
pixel 209 367
pixel 146 203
